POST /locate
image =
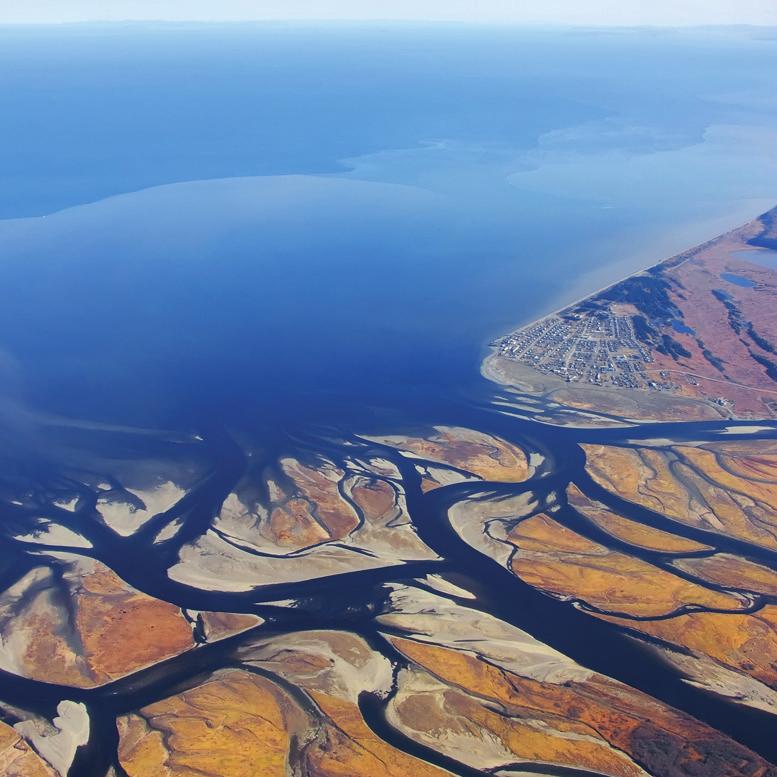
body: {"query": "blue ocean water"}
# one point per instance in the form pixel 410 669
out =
pixel 276 221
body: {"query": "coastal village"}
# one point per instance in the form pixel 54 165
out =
pixel 600 349
pixel 700 325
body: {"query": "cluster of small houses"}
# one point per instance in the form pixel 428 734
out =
pixel 601 349
pixel 597 349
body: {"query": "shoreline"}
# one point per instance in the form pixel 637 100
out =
pixel 685 255
pixel 524 376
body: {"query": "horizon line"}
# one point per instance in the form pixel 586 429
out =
pixel 399 21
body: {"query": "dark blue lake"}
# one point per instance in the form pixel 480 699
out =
pixel 738 280
pixel 275 222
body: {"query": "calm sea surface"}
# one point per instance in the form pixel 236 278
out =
pixel 267 224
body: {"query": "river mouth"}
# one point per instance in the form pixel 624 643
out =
pixel 200 485
pixel 248 453
pixel 350 600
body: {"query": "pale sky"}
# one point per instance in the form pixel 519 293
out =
pixel 593 12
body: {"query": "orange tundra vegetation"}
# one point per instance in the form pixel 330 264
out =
pixel 662 740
